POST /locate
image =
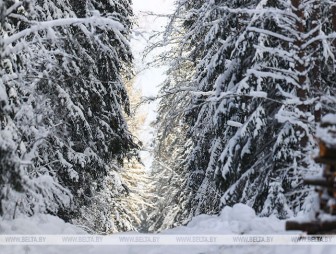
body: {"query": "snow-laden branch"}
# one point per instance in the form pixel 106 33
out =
pixel 13 7
pixel 327 50
pixel 264 11
pixel 288 56
pixel 270 33
pixel 96 21
pixel 321 37
pixel 275 76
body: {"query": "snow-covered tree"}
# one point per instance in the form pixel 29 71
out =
pixel 25 188
pixel 63 65
pixel 257 91
pixel 169 173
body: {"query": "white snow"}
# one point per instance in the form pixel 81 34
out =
pixel 239 219
pixel 258 94
pixel 234 124
pixel 329 118
pixel 3 94
pixel 328 133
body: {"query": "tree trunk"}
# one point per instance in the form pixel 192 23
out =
pixel 300 65
pixel 316 79
pixel 333 13
pixel 300 61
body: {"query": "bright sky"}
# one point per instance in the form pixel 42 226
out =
pixel 158 6
pixel 148 80
pixel 146 25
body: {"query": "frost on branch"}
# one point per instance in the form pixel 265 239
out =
pixel 63 101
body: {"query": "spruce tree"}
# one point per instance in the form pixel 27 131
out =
pixel 64 64
pixel 256 94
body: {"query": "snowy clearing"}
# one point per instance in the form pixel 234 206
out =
pixel 239 219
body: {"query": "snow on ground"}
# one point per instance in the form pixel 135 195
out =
pixel 239 219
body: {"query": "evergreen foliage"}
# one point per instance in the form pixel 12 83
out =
pixel 255 95
pixel 63 99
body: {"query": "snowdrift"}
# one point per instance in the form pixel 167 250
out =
pixel 239 219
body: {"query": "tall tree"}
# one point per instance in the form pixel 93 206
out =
pixel 68 60
pixel 256 95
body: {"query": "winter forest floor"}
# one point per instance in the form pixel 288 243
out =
pixel 238 220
